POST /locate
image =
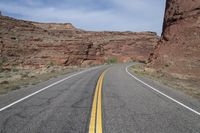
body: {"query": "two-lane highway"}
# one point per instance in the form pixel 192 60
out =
pixel 96 101
pixel 132 107
pixel 62 108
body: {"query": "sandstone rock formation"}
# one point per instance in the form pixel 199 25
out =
pixel 178 52
pixel 55 26
pixel 28 44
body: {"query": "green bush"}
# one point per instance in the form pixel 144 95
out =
pixel 50 64
pixel 1 64
pixel 111 60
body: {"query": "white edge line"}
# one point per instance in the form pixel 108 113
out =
pixel 32 94
pixel 174 100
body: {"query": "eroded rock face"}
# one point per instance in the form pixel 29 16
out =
pixel 178 51
pixel 55 26
pixel 24 43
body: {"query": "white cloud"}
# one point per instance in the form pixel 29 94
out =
pixel 32 2
pixel 124 15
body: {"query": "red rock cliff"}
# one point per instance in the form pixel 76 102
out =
pixel 24 43
pixel 178 52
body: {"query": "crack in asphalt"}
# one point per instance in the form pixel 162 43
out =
pixel 42 105
pixel 20 114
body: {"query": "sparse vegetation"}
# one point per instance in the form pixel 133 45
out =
pixel 2 61
pixel 142 61
pixel 13 80
pixel 166 65
pixel 188 86
pixel 50 64
pixel 111 60
pixel 4 82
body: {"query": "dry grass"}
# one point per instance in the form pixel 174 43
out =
pixel 188 86
pixel 15 79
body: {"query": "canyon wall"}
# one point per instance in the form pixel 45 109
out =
pixel 31 44
pixel 178 51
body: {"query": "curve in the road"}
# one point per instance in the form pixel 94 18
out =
pixel 161 93
pixel 96 113
pixel 32 94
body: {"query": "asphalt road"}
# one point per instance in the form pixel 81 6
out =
pixel 123 105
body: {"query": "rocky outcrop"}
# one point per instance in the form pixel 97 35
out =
pixel 55 26
pixel 30 44
pixel 178 52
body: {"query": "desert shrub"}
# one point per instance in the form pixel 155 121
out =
pixel 4 82
pixel 111 60
pixel 14 87
pixel 25 75
pixel 166 65
pixel 1 69
pixel 2 61
pixel 143 61
pixel 14 68
pixel 50 64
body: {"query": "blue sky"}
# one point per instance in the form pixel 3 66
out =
pixel 96 15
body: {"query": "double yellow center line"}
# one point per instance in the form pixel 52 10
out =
pixel 96 113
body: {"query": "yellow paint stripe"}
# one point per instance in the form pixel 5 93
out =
pixel 99 109
pixel 96 113
pixel 93 112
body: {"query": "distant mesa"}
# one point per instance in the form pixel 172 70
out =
pixel 33 44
